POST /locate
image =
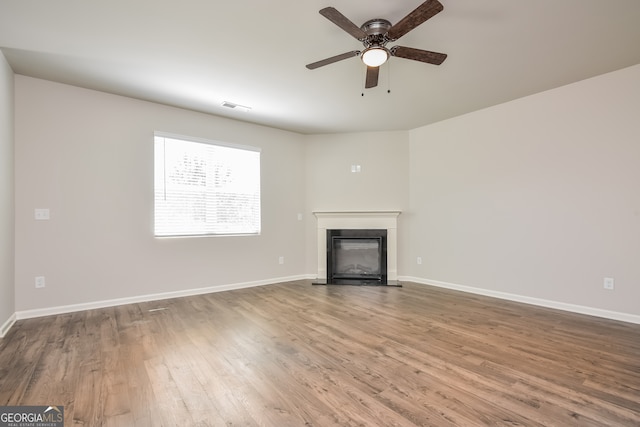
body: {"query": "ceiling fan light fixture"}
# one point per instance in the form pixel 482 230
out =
pixel 375 56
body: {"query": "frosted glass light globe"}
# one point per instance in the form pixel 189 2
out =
pixel 375 56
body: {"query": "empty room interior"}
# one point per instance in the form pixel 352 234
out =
pixel 450 237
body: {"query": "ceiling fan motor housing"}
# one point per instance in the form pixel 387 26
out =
pixel 376 30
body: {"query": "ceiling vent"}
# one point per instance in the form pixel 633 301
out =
pixel 235 106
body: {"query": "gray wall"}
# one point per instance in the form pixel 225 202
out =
pixel 539 197
pixel 535 198
pixel 7 298
pixel 381 185
pixel 88 157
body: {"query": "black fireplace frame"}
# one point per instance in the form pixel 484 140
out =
pixel 355 234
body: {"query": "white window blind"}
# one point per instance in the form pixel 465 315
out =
pixel 205 188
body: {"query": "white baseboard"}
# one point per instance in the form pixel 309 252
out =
pixel 27 314
pixel 7 325
pixel 591 311
pixel 49 311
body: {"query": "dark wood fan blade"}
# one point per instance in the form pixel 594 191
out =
pixel 423 12
pixel 418 55
pixel 372 77
pixel 343 22
pixel 333 59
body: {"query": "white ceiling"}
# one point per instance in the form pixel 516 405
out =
pixel 198 54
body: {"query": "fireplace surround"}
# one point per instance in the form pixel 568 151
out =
pixel 352 221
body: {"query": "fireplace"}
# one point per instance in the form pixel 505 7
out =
pixel 358 220
pixel 357 256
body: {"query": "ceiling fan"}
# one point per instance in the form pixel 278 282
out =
pixel 376 33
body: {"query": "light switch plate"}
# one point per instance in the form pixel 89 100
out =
pixel 41 214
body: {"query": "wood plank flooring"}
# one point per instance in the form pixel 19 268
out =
pixel 293 354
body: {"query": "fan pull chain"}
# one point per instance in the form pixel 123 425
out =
pixel 388 76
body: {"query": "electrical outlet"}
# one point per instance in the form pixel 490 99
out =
pixel 40 282
pixel 281 260
pixel 419 260
pixel 608 283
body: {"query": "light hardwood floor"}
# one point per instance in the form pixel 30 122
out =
pixel 293 354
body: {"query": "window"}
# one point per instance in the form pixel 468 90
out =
pixel 205 187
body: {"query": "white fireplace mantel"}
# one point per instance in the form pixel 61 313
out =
pixel 387 220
